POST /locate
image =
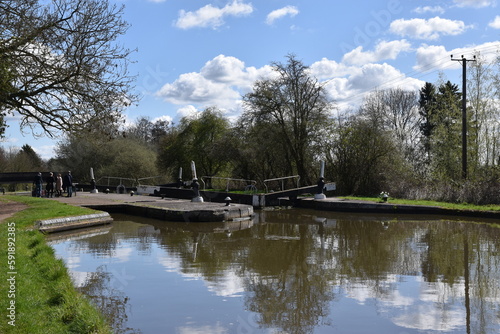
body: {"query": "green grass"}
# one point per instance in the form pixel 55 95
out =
pixel 45 298
pixel 451 206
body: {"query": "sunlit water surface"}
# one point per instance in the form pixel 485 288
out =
pixel 290 271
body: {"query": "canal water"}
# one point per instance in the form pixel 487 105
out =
pixel 291 271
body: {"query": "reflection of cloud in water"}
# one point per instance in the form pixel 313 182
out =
pixel 79 278
pixel 226 284
pixel 122 254
pixel 215 329
pixel 72 261
pixel 413 303
pixel 430 317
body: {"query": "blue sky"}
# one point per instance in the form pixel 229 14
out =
pixel 192 54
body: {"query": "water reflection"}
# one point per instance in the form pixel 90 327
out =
pixel 292 271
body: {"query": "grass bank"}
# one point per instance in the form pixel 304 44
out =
pixel 445 205
pixel 37 295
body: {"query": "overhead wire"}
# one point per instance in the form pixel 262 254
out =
pixel 427 69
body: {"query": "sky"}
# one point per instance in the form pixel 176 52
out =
pixel 194 54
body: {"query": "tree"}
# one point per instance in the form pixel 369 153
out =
pixel 427 103
pixel 201 139
pixel 253 157
pixel 298 108
pixel 484 125
pixel 148 131
pixel 119 157
pixel 60 66
pixel 358 156
pixel 395 110
pixel 446 149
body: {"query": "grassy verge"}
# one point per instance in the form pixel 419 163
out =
pixel 453 206
pixel 37 295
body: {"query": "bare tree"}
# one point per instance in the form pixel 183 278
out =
pixel 483 107
pixel 396 110
pixel 298 107
pixel 61 66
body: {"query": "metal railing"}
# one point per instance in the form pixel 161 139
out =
pixel 228 180
pixel 282 179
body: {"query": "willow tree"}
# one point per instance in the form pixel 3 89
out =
pixel 298 108
pixel 61 66
pixel 202 138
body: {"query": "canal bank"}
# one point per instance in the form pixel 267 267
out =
pixel 39 293
pixel 177 210
pixel 361 206
pixel 185 210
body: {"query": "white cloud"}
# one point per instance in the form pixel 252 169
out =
pixel 349 84
pixel 383 50
pixel 474 3
pixel 495 24
pixel 430 29
pixel 279 13
pixel 436 57
pixel 195 88
pixel 429 9
pixel 381 76
pixel 210 16
pixel 327 69
pixel 45 151
pixel 431 57
pixel 187 111
pixel 221 82
pixel 223 69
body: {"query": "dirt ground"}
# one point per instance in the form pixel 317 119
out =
pixel 8 208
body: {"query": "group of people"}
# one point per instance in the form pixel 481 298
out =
pixel 54 185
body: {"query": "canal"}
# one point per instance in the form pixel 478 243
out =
pixel 291 271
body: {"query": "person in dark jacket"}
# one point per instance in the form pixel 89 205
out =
pixel 49 188
pixel 38 185
pixel 68 184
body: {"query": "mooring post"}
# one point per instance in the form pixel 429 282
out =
pixel 179 180
pixel 195 185
pixel 92 182
pixel 321 183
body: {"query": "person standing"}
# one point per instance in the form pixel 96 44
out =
pixel 68 184
pixel 49 188
pixel 59 185
pixel 38 185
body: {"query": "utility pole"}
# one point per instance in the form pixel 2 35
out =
pixel 464 112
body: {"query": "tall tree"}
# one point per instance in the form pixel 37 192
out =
pixel 446 149
pixel 298 107
pixel 200 138
pixel 484 113
pixel 61 67
pixel 395 110
pixel 427 103
pixel 358 155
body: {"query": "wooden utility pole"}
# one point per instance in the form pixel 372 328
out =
pixel 464 112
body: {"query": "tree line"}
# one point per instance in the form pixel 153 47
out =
pixel 407 143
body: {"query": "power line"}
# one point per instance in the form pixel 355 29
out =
pixel 422 71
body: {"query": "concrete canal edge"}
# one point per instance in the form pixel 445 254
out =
pixel 74 222
pixel 181 211
pixel 340 205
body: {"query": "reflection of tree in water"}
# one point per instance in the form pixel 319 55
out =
pixel 111 302
pixel 295 293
